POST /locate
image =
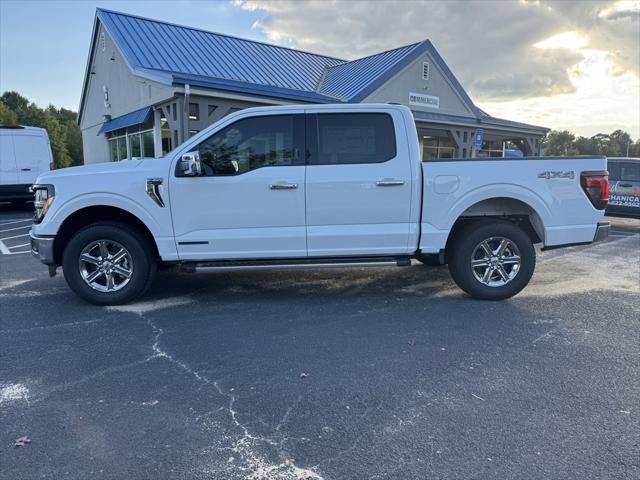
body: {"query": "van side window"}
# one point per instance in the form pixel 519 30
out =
pixel 630 171
pixel 351 138
pixel 252 143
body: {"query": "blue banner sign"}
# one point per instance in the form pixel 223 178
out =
pixel 479 138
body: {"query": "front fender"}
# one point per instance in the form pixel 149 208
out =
pixel 107 199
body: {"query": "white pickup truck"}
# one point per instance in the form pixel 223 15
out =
pixel 312 186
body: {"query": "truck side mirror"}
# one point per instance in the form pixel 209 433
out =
pixel 190 164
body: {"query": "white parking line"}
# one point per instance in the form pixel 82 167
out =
pixel 15 236
pixel 16 228
pixel 3 249
pixel 15 221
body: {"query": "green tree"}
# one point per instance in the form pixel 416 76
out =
pixel 64 133
pixel 560 143
pixel 14 101
pixel 583 145
pixel 7 116
pixel 619 140
pixel 74 143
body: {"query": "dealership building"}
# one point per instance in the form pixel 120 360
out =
pixel 150 85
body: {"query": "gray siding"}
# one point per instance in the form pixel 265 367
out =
pixel 223 108
pixel 126 93
pixel 397 89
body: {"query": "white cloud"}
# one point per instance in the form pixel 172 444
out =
pixel 570 64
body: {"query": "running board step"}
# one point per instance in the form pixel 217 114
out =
pixel 288 264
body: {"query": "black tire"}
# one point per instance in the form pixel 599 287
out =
pixel 463 251
pixel 142 262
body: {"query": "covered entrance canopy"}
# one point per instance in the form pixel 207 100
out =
pixel 443 136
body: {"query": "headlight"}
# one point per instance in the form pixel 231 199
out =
pixel 44 195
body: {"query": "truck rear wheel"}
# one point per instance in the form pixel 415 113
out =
pixel 108 264
pixel 492 260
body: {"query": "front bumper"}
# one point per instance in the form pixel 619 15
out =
pixel 602 231
pixel 42 249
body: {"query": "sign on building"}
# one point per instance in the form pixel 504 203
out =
pixel 479 138
pixel 424 100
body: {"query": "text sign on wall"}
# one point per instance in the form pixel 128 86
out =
pixel 423 100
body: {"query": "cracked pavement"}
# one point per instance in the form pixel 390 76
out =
pixel 407 377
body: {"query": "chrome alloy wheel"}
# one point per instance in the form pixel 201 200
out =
pixel 495 261
pixel 105 265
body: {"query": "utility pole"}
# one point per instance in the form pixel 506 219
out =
pixel 628 142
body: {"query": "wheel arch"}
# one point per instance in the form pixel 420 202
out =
pixel 97 213
pixel 519 211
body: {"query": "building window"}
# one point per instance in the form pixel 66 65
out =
pixel 194 111
pixel 434 148
pixel 122 148
pixel 141 143
pixel 425 70
pixel 148 145
pixel 118 146
pixel 211 109
pixel 193 132
pixel 135 145
pixel 113 150
pixel 491 149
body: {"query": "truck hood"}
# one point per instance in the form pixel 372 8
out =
pixel 106 168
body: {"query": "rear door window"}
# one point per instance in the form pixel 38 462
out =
pixel 350 138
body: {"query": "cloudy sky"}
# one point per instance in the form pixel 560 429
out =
pixel 562 64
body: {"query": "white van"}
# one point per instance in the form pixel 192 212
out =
pixel 25 153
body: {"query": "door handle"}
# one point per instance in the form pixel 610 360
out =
pixel 625 185
pixel 25 169
pixel 390 183
pixel 283 186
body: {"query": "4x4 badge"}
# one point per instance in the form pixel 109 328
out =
pixel 549 175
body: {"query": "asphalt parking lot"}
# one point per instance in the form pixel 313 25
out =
pixel 332 374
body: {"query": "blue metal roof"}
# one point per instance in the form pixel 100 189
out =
pixel 182 50
pixel 348 79
pixel 180 55
pixel 132 118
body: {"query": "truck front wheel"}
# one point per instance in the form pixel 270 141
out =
pixel 492 260
pixel 108 264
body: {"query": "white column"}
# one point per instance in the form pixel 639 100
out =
pixel 157 132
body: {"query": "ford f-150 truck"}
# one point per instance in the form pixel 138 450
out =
pixel 312 186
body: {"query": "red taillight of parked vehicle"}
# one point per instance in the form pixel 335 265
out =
pixel 596 186
pixel 52 166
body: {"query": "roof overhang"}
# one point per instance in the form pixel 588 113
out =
pixel 251 89
pixel 486 122
pixel 133 118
